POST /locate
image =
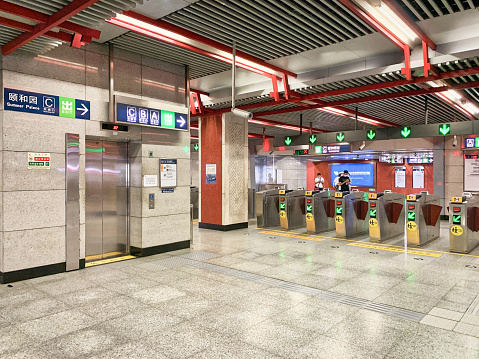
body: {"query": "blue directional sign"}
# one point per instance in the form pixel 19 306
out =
pixel 42 104
pixel 146 116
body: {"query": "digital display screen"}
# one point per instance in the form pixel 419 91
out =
pixel 114 127
pixel 361 174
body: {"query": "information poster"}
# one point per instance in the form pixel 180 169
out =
pixel 150 181
pixel 418 177
pixel 471 175
pixel 211 173
pixel 168 173
pixel 39 161
pixel 400 177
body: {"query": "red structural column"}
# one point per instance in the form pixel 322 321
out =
pixel 211 152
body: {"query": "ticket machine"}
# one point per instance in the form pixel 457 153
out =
pixel 464 223
pixel 386 216
pixel 351 213
pixel 320 211
pixel 292 209
pixel 423 225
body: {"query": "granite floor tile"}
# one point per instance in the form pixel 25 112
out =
pixel 317 281
pixel 132 350
pixel 12 339
pixel 86 297
pixel 129 285
pixel 33 309
pixel 233 348
pixel 112 307
pixel 189 307
pixel 157 294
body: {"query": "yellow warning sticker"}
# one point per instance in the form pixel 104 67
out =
pixel 411 226
pixel 399 250
pixel 282 191
pixel 411 197
pixel 373 196
pixel 309 216
pixel 339 219
pixel 309 193
pixel 456 199
pixel 457 230
pixel 282 234
pixel 282 214
pixel 373 222
pixel 338 194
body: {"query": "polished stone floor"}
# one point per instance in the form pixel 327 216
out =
pixel 253 294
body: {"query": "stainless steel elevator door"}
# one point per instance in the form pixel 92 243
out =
pixel 106 199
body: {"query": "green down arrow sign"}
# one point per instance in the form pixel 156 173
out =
pixel 196 147
pixel 288 141
pixel 371 134
pixel 444 129
pixel 406 131
pixel 313 138
pixel 340 137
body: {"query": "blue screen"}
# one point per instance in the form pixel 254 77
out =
pixel 361 174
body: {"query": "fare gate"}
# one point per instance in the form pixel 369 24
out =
pixel 423 211
pixel 292 209
pixel 386 216
pixel 464 223
pixel 351 212
pixel 267 208
pixel 320 211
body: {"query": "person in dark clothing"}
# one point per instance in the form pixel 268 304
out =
pixel 345 182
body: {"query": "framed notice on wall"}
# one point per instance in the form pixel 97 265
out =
pixel 168 173
pixel 471 175
pixel 418 177
pixel 400 177
pixel 211 173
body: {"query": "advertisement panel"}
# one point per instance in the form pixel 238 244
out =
pixel 361 174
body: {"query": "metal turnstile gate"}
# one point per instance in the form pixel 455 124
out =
pixel 423 225
pixel 351 213
pixel 386 216
pixel 320 211
pixel 267 208
pixel 292 209
pixel 464 223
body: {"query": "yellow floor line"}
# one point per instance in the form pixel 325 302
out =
pixel 399 250
pixel 287 234
pixel 109 260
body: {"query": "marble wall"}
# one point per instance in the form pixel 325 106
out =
pixel 32 202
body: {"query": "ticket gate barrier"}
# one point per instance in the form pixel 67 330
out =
pixel 320 211
pixel 351 213
pixel 464 223
pixel 292 209
pixel 423 225
pixel 267 208
pixel 386 216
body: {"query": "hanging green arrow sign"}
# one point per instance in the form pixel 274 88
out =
pixel 287 141
pixel 340 137
pixel 371 134
pixel 406 132
pixel 196 147
pixel 444 129
pixel 313 138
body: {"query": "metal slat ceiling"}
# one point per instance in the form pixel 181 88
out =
pixel 38 46
pixel 274 28
pixel 427 9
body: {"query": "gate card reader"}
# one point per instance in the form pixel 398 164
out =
pixel 464 223
pixel 386 216
pixel 267 208
pixel 351 213
pixel 320 211
pixel 423 225
pixel 292 209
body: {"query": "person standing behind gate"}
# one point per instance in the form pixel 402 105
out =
pixel 318 182
pixel 344 182
pixel 336 182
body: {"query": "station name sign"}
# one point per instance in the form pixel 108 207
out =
pixel 42 104
pixel 147 116
pixel 318 150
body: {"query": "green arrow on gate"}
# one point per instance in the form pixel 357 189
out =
pixel 309 207
pixel 411 216
pixel 456 219
pixel 444 129
pixel 406 132
pixel 288 141
pixel 196 147
pixel 313 138
pixel 340 137
pixel 372 212
pixel 371 134
pixel 282 205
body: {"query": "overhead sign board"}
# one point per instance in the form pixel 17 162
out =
pixel 42 104
pixel 328 149
pixel 147 116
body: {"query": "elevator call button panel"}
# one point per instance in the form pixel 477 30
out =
pixel 151 200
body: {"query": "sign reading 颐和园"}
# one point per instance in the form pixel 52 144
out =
pixel 146 116
pixel 32 102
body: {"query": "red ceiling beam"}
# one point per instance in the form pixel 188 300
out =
pixel 42 18
pixel 53 21
pixel 199 92
pixel 61 35
pixel 204 40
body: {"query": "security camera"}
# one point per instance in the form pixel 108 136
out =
pixel 362 146
pixel 454 141
pixel 241 113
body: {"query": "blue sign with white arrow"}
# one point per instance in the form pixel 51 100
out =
pixel 42 104
pixel 146 116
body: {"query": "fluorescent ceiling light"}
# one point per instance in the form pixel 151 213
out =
pixel 397 21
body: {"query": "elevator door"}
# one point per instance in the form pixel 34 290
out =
pixel 106 199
